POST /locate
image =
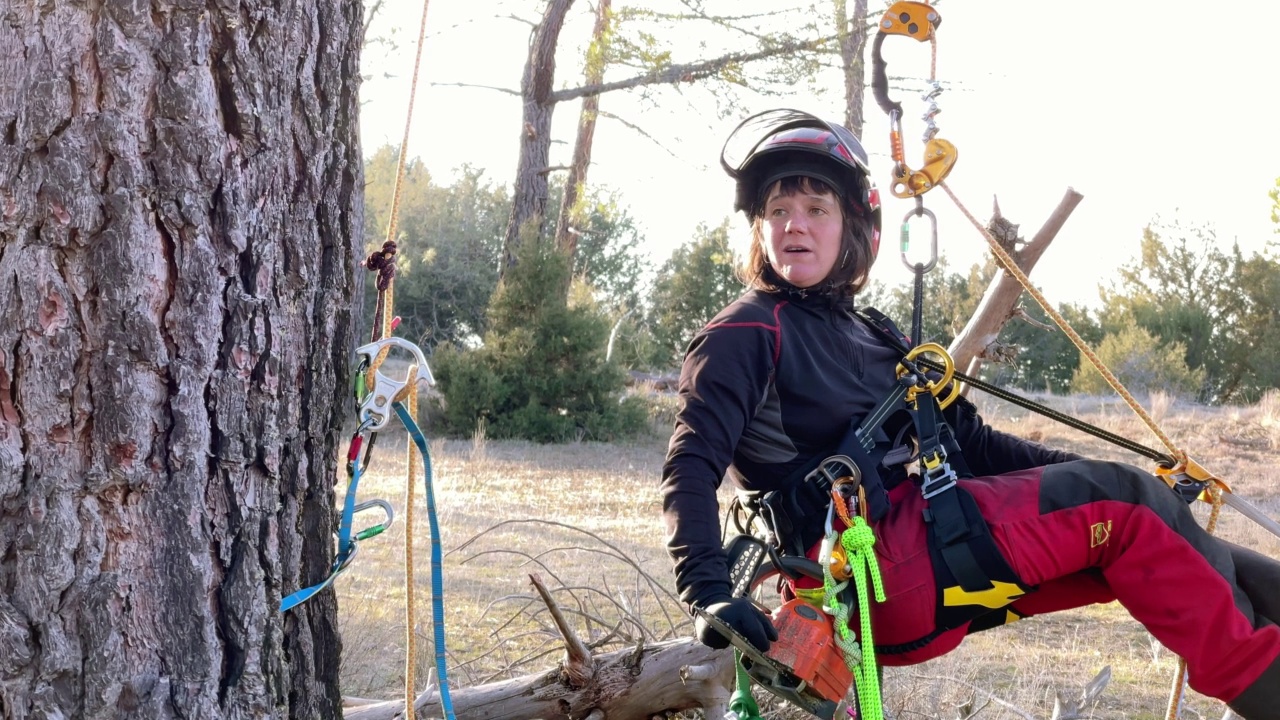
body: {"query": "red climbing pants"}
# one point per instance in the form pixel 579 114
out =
pixel 1090 531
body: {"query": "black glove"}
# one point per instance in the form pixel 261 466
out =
pixel 743 616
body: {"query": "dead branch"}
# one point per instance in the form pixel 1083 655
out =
pixel 688 72
pixel 507 91
pixel 1021 314
pixel 579 666
pixel 998 302
pixel 629 684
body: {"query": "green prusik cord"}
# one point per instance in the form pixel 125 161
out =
pixel 742 706
pixel 860 658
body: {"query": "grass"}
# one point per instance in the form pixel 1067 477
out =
pixel 587 518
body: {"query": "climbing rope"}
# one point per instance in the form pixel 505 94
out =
pixel 385 323
pixel 849 555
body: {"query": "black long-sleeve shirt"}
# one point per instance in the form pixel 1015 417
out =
pixel 766 386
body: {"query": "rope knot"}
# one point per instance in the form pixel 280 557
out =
pixel 858 538
pixel 383 262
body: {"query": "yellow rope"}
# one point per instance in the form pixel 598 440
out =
pixel 1008 263
pixel 411 624
pixel 387 313
pixel 1214 489
pixel 409 393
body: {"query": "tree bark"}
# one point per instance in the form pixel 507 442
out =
pixel 179 219
pixel 529 198
pixel 999 302
pixel 853 43
pixel 566 233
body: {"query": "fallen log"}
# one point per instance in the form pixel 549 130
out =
pixel 635 683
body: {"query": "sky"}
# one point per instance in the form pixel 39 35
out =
pixel 1154 114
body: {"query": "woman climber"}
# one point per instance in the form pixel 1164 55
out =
pixel 774 383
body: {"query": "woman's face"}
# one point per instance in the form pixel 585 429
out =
pixel 802 234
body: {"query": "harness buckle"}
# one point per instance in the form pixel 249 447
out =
pixel 939 476
pixel 832 469
pixel 375 408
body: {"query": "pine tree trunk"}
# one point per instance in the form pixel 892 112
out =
pixel 179 216
pixel 570 209
pixel 853 43
pixel 529 196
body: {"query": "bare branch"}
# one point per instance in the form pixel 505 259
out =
pixel 553 168
pixel 639 130
pixel 689 72
pixel 1021 313
pixel 507 91
pixel 579 666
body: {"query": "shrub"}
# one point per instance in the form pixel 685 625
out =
pixel 541 372
pixel 1141 363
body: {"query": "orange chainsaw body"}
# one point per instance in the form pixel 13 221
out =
pixel 807 645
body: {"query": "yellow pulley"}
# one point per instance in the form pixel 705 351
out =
pixel 919 21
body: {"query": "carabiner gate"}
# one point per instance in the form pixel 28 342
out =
pixel 920 211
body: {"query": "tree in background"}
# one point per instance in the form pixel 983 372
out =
pixel 949 299
pixel 1142 363
pixel 694 284
pixel 451 244
pixel 1186 293
pixel 1043 358
pixel 450 239
pixel 541 372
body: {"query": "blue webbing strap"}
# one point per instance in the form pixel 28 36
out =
pixel 346 547
pixel 437 561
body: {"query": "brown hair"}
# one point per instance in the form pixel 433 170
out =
pixel 849 275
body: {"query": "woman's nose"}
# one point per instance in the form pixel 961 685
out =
pixel 794 225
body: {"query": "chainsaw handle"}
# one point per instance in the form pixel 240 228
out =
pixel 788 566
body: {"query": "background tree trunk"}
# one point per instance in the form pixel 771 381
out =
pixel 529 196
pixel 179 216
pixel 853 43
pixel 567 226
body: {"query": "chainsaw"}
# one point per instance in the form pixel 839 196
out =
pixel 804 666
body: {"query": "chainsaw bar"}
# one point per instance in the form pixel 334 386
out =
pixel 770 674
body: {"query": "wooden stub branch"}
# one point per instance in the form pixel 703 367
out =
pixel 999 303
pixel 628 684
pixel 579 666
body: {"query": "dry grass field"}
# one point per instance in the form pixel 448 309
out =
pixel 585 517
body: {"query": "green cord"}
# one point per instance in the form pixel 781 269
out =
pixel 742 706
pixel 860 658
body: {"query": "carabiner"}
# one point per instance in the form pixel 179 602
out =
pixel 375 408
pixel 934 387
pixel 374 530
pixel 920 211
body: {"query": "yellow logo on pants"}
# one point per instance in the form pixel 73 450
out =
pixel 1101 533
pixel 996 596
